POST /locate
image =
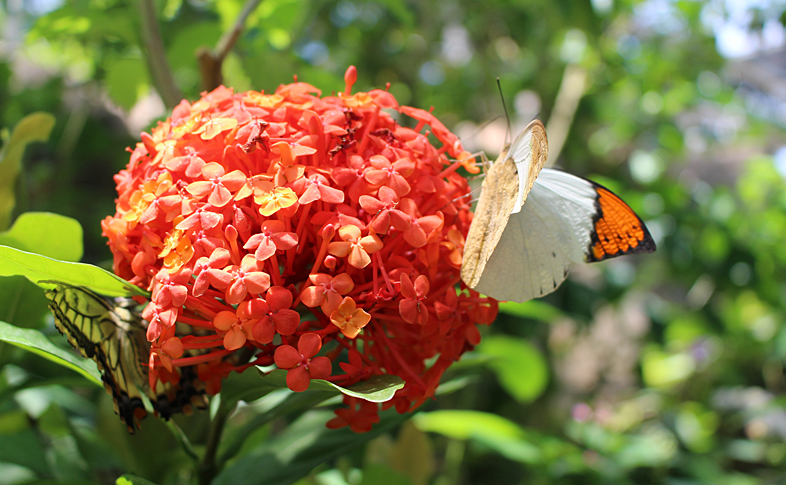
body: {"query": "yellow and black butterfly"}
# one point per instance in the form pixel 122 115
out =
pixel 111 331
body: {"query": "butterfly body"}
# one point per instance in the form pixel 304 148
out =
pixel 112 333
pixel 519 252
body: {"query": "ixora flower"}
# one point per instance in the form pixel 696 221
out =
pixel 311 232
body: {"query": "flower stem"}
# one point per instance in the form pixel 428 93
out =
pixel 208 469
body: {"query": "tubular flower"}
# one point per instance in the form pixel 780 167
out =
pixel 243 212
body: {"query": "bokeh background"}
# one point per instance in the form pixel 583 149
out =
pixel 666 368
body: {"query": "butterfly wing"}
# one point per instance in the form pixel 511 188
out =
pixel 505 188
pixel 112 338
pixel 111 333
pixel 565 220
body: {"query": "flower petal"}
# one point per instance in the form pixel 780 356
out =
pixel 287 357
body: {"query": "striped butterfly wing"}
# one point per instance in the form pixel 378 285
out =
pixel 112 333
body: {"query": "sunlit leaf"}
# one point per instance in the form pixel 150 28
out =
pixel 126 80
pixel 534 309
pixel 41 270
pixel 519 366
pixel 496 432
pixel 132 480
pixel 32 128
pixel 47 234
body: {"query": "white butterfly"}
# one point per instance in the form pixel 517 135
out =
pixel 532 223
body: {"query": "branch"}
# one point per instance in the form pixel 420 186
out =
pixel 210 61
pixel 157 62
pixel 574 85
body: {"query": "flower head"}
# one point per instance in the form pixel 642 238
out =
pixel 242 212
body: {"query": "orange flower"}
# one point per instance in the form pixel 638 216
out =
pixel 241 206
pixel 358 248
pixel 349 318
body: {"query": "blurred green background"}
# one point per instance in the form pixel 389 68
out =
pixel 665 368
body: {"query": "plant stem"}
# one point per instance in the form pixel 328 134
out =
pixel 157 62
pixel 209 468
pixel 210 61
pixel 574 85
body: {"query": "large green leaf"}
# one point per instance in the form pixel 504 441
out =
pixel 33 127
pixel 21 302
pixel 47 234
pixel 519 366
pixel 36 342
pixel 43 271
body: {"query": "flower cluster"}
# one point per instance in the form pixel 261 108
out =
pixel 311 232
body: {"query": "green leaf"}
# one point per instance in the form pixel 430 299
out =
pixel 496 432
pixel 534 309
pixel 304 445
pixel 24 448
pixel 378 388
pixel 36 342
pixel 132 480
pixel 43 271
pixel 519 366
pixel 250 386
pixel 463 425
pixel 126 79
pixel 22 303
pixel 47 234
pixel 32 128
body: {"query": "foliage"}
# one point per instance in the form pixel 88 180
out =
pixel 665 368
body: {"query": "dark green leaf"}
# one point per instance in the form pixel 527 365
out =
pixel 22 303
pixel 304 445
pixel 24 448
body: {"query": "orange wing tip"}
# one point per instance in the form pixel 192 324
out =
pixel 617 229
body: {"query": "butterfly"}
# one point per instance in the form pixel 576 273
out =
pixel 531 223
pixel 112 332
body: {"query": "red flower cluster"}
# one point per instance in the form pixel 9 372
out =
pixel 270 227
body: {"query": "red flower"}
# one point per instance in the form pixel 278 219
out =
pixel 413 307
pixel 272 315
pixel 385 212
pixel 327 292
pixel 242 206
pixel 302 364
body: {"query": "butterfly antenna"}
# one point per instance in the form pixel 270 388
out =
pixel 504 107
